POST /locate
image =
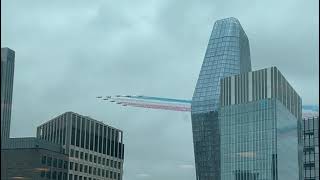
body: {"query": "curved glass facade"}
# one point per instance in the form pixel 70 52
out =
pixel 228 53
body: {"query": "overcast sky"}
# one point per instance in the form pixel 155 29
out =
pixel 67 53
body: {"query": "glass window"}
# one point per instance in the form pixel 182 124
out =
pixel 81 155
pixel 80 168
pixel 103 161
pixel 54 175
pixel 55 162
pixel 99 160
pixel 86 156
pixel 44 159
pixel 71 153
pixel 49 161
pixel 65 165
pixel 77 154
pixel 95 159
pixel 60 163
pixel 76 166
pixel 42 173
pixel 71 166
pixel 90 170
pixel 90 157
pixel 49 174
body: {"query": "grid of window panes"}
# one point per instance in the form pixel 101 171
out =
pixel 248 141
pixel 55 168
pixel 224 56
pixel 227 54
pixel 311 148
pixel 95 150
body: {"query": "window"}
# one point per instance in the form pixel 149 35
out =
pixel 119 176
pixel 85 169
pixel 77 154
pixel 107 173
pixel 107 162
pixel 76 166
pixel 55 162
pixel 49 174
pixel 99 171
pixel 119 165
pixel 75 177
pixel 71 166
pixel 102 172
pixel 42 173
pixel 60 176
pixel 60 163
pixel 80 177
pixel 65 165
pixel 103 161
pixel 95 159
pixel 54 175
pixel 111 163
pixel 86 156
pixel 70 176
pixel 90 157
pixel 65 175
pixel 90 170
pixel 80 168
pixel 94 171
pixel 99 160
pixel 49 162
pixel 81 155
pixel 44 159
pixel 71 153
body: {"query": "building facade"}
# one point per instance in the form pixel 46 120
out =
pixel 227 54
pixel 310 144
pixel 259 117
pixel 95 150
pixel 7 73
pixel 32 158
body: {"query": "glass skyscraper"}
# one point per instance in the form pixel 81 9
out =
pixel 259 117
pixel 227 54
pixel 7 72
pixel 310 144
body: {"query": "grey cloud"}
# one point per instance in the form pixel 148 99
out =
pixel 67 53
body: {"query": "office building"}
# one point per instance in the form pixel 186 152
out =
pixel 7 73
pixel 227 54
pixel 95 150
pixel 259 117
pixel 32 158
pixel 310 145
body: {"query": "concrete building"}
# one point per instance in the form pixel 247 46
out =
pixel 310 144
pixel 7 73
pixel 32 158
pixel 259 117
pixel 228 53
pixel 95 150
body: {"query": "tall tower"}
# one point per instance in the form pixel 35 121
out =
pixel 259 114
pixel 227 54
pixel 7 72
